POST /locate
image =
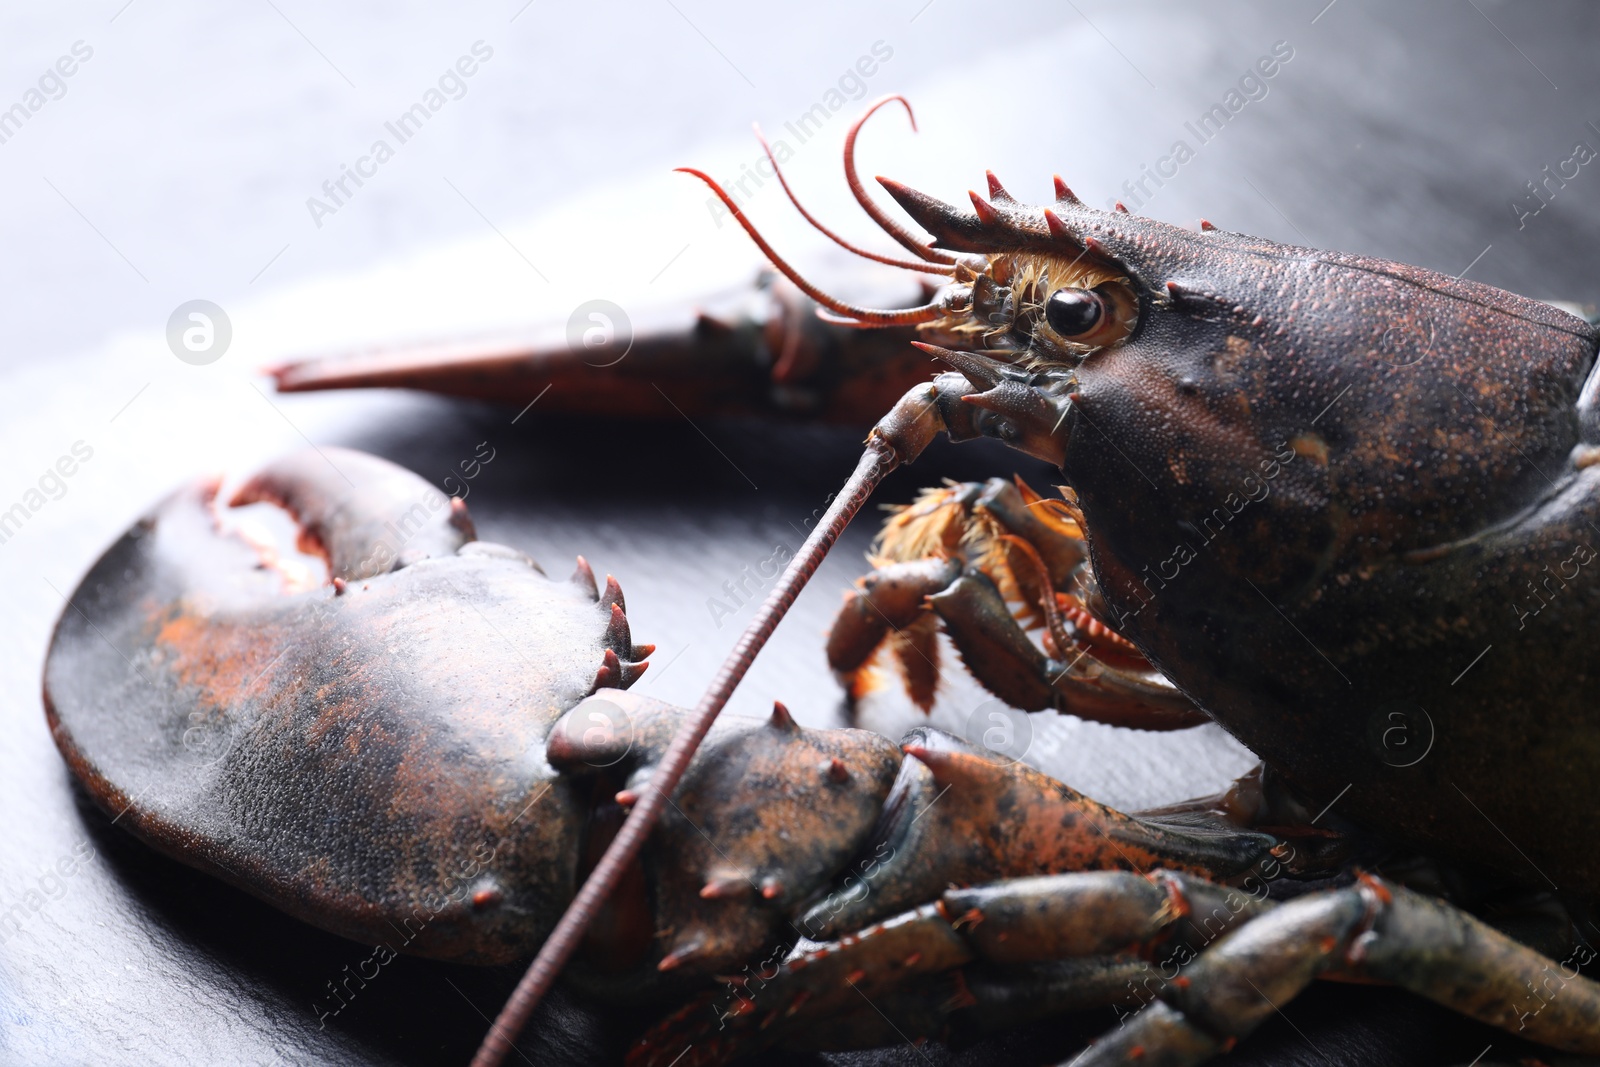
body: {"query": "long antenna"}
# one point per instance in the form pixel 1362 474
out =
pixel 879 458
pixel 858 316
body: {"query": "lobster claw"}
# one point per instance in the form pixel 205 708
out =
pixel 258 731
pixel 352 522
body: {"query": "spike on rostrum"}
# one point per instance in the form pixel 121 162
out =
pixel 986 211
pixel 617 673
pixel 997 191
pixel 1058 229
pixel 1065 195
pixel 460 519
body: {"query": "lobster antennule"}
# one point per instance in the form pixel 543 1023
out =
pixel 907 239
pixel 867 316
pixel 918 265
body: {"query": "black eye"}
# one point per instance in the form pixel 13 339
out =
pixel 1073 312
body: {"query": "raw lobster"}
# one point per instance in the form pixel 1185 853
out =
pixel 1305 492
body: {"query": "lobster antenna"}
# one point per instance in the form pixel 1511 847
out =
pixel 861 316
pixel 908 264
pixel 879 458
pixel 906 238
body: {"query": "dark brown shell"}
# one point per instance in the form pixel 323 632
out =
pixel 370 759
pixel 385 756
pixel 1351 508
pixel 1421 433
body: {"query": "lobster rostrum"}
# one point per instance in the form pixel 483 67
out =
pixel 1303 490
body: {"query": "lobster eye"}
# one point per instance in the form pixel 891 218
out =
pixel 1074 312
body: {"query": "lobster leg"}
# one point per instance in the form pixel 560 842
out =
pixel 964 555
pixel 999 653
pixel 1211 963
pixel 892 598
pixel 1366 931
pixel 1041 945
pixel 958 815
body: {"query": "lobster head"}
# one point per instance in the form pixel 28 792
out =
pixel 1178 377
pixel 1293 468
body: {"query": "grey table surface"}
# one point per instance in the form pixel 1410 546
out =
pixel 177 161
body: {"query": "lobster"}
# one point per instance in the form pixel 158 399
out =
pixel 1305 494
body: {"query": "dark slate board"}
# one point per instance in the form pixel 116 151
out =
pixel 1403 133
